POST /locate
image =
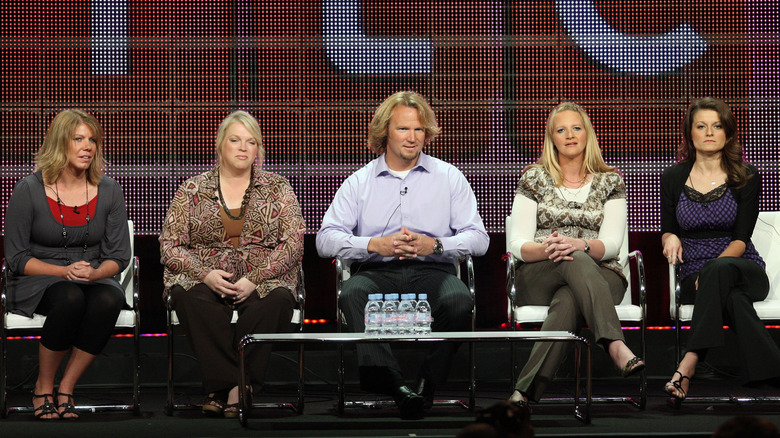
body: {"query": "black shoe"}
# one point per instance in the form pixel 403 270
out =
pixel 409 403
pixel 426 388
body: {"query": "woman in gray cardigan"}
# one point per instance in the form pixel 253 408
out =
pixel 66 237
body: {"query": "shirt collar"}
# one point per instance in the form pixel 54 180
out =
pixel 424 163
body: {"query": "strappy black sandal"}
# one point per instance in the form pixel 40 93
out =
pixel 47 408
pixel 67 408
pixel 674 388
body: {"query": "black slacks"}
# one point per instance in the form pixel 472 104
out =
pixel 449 297
pixel 728 286
pixel 206 317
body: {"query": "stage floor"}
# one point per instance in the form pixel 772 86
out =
pixel 320 418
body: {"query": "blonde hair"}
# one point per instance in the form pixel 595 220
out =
pixel 548 160
pixel 250 123
pixel 377 132
pixel 52 157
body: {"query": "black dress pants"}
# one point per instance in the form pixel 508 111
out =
pixel 728 287
pixel 450 300
pixel 205 317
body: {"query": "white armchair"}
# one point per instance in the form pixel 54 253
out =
pixel 627 310
pixel 766 239
pixel 129 319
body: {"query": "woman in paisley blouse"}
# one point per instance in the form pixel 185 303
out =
pixel 709 207
pixel 232 240
pixel 569 219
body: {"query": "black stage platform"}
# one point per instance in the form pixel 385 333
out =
pixel 320 418
pixel 108 382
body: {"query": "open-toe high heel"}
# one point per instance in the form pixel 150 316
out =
pixel 68 407
pixel 675 390
pixel 522 405
pixel 47 408
pixel 633 366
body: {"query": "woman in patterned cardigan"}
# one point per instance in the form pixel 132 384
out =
pixel 232 240
pixel 569 219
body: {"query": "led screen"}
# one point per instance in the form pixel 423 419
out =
pixel 160 75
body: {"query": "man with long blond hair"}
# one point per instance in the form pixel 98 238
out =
pixel 405 219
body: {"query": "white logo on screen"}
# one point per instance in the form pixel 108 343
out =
pixel 641 55
pixel 350 50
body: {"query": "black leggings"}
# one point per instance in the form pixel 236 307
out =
pixel 79 315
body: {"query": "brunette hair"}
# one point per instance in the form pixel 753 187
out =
pixel 731 156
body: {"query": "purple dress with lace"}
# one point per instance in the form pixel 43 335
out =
pixel 710 218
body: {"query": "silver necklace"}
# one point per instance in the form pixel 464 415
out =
pixel 572 204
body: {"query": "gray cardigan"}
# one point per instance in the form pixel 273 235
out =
pixel 31 231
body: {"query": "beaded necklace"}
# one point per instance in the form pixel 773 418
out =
pixel 62 221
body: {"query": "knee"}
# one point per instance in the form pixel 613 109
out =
pixel 580 265
pixel 115 299
pixel 458 302
pixel 181 296
pixel 71 299
pixel 718 266
pixel 352 294
pixel 279 299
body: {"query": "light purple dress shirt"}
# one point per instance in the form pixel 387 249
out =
pixel 434 199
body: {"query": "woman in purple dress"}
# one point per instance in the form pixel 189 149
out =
pixel 709 206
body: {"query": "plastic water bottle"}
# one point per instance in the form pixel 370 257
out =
pixel 373 315
pixel 423 318
pixel 406 315
pixel 390 314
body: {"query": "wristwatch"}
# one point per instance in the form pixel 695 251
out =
pixel 438 248
pixel 587 247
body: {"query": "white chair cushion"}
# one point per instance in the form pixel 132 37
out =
pixel 537 314
pixel 296 318
pixel 767 241
pixel 126 318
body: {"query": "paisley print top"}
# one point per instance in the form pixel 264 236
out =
pixel 553 214
pixel 194 241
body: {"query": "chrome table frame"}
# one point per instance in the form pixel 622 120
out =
pixel 582 413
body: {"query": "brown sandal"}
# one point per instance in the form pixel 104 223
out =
pixel 212 406
pixel 633 366
pixel 232 410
